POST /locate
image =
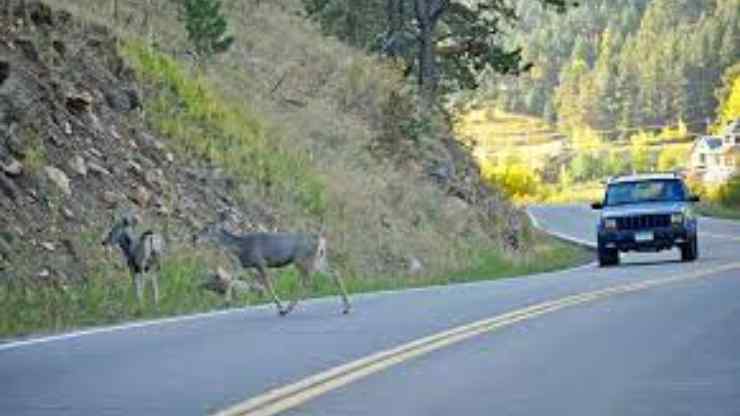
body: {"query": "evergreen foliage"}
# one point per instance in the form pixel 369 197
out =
pixel 206 26
pixel 447 44
pixel 620 65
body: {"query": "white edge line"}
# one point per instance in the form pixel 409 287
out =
pixel 116 328
pixel 536 223
pixel 717 219
pixel 205 315
pixel 5 346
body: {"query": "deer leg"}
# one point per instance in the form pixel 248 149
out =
pixel 254 284
pixel 342 291
pixel 303 285
pixel 155 288
pixel 229 289
pixel 268 285
pixel 139 286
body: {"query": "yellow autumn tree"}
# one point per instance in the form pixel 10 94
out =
pixel 731 108
pixel 729 98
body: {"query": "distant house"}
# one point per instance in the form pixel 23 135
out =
pixel 715 159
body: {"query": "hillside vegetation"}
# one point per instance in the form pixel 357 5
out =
pixel 616 87
pixel 289 130
pixel 531 161
pixel 617 66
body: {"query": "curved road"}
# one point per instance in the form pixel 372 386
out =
pixel 671 347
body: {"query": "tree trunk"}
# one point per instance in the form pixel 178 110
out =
pixel 428 13
pixel 9 13
pixel 395 14
pixel 26 15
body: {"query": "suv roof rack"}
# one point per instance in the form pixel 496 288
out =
pixel 646 176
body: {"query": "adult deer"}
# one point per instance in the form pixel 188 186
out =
pixel 262 250
pixel 142 252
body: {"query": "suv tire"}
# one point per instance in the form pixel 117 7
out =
pixel 690 250
pixel 608 257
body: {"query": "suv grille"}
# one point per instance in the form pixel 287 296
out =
pixel 642 222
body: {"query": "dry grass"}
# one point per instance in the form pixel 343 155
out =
pixel 324 100
pixel 306 109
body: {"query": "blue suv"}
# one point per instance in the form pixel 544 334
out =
pixel 646 213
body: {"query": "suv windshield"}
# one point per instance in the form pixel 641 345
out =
pixel 664 190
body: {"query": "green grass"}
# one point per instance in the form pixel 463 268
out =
pixel 719 211
pixel 202 124
pixel 107 298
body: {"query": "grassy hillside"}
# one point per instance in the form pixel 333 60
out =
pixel 287 131
pixel 532 161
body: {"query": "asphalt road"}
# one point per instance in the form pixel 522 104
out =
pixel 673 349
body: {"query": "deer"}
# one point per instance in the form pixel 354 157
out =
pixel 263 250
pixel 142 253
pixel 222 283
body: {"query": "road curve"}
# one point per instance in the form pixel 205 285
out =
pixel 669 349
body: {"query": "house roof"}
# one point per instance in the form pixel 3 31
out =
pixel 713 143
pixel 733 127
pixel 732 150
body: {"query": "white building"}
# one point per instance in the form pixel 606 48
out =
pixel 716 158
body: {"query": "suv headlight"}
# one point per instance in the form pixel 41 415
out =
pixel 677 219
pixel 610 223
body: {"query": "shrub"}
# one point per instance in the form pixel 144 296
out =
pixel 729 193
pixel 672 157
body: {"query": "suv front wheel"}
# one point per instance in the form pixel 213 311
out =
pixel 608 257
pixel 690 250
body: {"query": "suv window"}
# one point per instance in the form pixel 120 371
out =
pixel 662 190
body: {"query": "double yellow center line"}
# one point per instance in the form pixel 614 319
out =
pixel 293 395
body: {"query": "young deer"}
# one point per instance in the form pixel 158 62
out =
pixel 142 253
pixel 261 251
pixel 224 284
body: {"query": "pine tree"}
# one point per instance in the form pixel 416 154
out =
pixel 206 27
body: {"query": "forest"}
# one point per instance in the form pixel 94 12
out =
pixel 617 66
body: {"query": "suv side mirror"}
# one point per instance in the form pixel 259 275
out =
pixel 597 205
pixel 693 198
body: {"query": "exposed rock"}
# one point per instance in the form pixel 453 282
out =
pixel 78 166
pixel 16 145
pixel 95 153
pixel 135 167
pixel 4 71
pixel 169 157
pixel 67 128
pixel 163 210
pixel 49 246
pixel 455 206
pixel 28 48
pixel 73 250
pixel 55 139
pixel 59 178
pixel 44 273
pixel 142 196
pixel 154 178
pixel 151 141
pixel 79 102
pixel 122 100
pixel 11 167
pixel 415 266
pixel 111 198
pixel 68 214
pixel 6 249
pixel 97 169
pixel 59 47
pixel 114 133
pixel 95 121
